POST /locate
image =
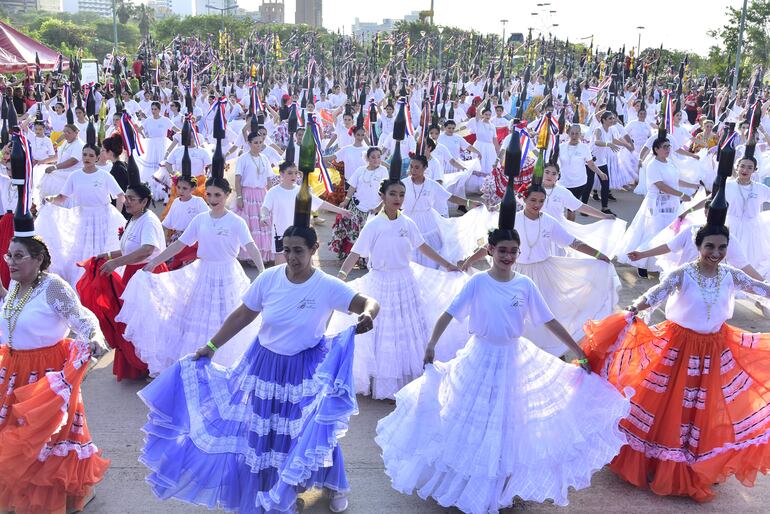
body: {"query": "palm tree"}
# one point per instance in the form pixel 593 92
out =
pixel 144 16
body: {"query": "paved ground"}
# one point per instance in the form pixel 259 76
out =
pixel 115 416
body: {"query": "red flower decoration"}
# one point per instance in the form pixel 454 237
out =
pixel 120 232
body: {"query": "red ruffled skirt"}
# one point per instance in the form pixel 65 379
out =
pixel 101 295
pixel 183 258
pixel 48 463
pixel 701 409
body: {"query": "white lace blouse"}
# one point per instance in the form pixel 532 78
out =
pixel 700 303
pixel 51 313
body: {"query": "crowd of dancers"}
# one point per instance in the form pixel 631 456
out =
pixel 482 309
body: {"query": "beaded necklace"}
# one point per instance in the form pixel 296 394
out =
pixel 710 293
pixel 11 312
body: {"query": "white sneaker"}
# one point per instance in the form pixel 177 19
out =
pixel 338 502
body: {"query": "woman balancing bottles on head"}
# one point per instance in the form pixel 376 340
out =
pixel 182 211
pixel 101 287
pixel 171 314
pixel 90 227
pixel 411 296
pixel 700 409
pixel 254 435
pixel 576 289
pixel 48 462
pixel 252 180
pixel 503 418
pixel 69 155
pixel 362 200
pixel 424 199
pixel 660 206
pixel 112 149
pixel 155 130
pixel 602 235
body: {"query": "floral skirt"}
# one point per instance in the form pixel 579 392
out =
pixel 253 197
pixel 48 463
pixel 345 231
pixel 701 411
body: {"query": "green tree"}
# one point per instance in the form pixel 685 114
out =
pixel 56 33
pixel 144 16
pixel 756 36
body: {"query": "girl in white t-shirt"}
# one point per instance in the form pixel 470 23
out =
pixel 503 418
pixel 577 289
pixel 182 211
pixel 172 314
pixel 68 159
pixel 411 298
pixel 279 206
pixel 91 226
pixel 362 200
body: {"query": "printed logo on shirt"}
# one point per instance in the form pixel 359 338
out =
pixel 403 232
pixel 222 231
pixel 306 303
pixel 546 234
pixel 518 302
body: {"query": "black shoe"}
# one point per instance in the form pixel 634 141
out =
pixel 607 211
pixel 612 197
pixel 595 196
pixel 642 272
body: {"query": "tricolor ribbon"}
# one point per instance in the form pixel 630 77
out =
pixel 668 121
pixel 67 96
pixel 730 140
pixel 751 118
pixel 603 85
pixel 324 177
pixel 408 113
pixel 127 124
pixel 254 96
pixel 524 141
pixel 26 201
pixel 221 104
pixel 194 127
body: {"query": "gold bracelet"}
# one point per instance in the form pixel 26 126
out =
pixel 598 252
pixel 344 275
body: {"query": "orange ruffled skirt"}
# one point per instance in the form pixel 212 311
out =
pixel 48 463
pixel 701 409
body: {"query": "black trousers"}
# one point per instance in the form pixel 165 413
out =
pixel 604 193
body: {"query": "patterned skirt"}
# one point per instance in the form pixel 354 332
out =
pixel 701 411
pixel 48 462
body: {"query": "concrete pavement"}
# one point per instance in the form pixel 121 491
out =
pixel 115 416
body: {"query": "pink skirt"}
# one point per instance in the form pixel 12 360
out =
pixel 253 198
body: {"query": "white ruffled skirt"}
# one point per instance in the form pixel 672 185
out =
pixel 411 300
pixel 500 421
pixel 440 234
pixel 76 234
pixel 51 184
pixel 655 214
pixel 170 315
pixel 576 291
pixel 753 234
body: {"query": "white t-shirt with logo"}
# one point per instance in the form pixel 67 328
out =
pixel 219 239
pixel 91 189
pixel 294 316
pixel 496 311
pixel 572 164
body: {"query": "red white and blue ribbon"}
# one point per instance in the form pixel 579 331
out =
pixel 524 142
pixel 194 129
pixel 67 96
pixel 408 113
pixel 254 96
pixel 127 124
pixel 324 175
pixel 603 85
pixel 220 104
pixel 730 141
pixel 26 200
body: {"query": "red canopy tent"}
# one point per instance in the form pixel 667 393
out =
pixel 17 52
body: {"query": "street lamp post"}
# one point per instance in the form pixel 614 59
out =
pixel 734 85
pixel 115 27
pixel 502 51
pixel 639 41
pixel 440 49
pixel 222 11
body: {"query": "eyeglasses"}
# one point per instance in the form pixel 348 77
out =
pixel 15 259
pixel 503 251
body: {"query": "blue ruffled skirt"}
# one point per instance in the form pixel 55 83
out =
pixel 250 437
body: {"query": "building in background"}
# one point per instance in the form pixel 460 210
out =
pixel 14 6
pixel 272 12
pixel 101 7
pixel 309 12
pixel 201 9
pixel 367 30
